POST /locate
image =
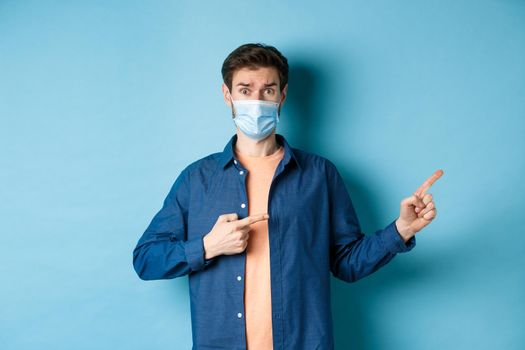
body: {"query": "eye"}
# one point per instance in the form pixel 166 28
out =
pixel 269 91
pixel 244 91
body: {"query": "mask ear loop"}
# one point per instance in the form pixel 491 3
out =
pixel 231 101
pixel 279 109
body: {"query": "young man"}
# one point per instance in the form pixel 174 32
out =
pixel 259 227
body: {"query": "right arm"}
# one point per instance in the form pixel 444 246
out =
pixel 163 251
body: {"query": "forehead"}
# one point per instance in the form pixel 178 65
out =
pixel 258 76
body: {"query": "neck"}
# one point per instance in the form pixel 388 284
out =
pixel 254 148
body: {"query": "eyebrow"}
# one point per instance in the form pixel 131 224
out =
pixel 248 84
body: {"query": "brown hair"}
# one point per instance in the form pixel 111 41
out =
pixel 254 56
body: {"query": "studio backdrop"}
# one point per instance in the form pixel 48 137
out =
pixel 103 103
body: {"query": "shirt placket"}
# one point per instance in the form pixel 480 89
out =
pixel 239 274
pixel 276 266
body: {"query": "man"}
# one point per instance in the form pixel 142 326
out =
pixel 259 227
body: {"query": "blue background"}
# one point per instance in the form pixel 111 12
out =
pixel 103 103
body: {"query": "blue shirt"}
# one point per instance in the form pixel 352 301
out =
pixel 313 231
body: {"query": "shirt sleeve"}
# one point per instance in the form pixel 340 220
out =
pixel 354 255
pixel 163 251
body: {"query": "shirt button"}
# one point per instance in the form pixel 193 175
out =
pixel 243 205
pixel 235 161
pixel 241 172
pixel 239 315
pixel 239 278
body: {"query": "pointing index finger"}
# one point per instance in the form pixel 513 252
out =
pixel 429 182
pixel 253 219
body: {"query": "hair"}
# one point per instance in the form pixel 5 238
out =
pixel 253 56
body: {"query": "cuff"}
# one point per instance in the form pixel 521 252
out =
pixel 393 241
pixel 194 250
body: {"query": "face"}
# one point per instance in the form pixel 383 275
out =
pixel 259 84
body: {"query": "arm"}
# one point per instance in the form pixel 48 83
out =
pixel 163 251
pixel 354 255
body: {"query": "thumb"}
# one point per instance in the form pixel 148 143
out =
pixel 413 200
pixel 227 217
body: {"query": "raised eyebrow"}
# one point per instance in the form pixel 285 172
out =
pixel 270 84
pixel 243 84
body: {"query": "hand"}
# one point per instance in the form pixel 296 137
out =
pixel 418 210
pixel 229 235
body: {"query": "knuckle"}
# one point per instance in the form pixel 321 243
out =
pixel 228 217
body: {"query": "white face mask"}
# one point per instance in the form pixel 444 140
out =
pixel 256 118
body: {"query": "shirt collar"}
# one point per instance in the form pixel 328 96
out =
pixel 228 155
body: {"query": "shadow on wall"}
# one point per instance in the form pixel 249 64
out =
pixel 355 327
pixel 301 105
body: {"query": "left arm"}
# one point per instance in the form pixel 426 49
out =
pixel 354 255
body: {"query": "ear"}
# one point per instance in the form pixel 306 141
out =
pixel 226 94
pixel 283 93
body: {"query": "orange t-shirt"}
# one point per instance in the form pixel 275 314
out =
pixel 257 292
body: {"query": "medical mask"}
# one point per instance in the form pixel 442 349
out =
pixel 255 118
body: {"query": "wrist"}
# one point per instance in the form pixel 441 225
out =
pixel 208 251
pixel 403 230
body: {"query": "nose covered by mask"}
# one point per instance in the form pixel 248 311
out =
pixel 256 118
